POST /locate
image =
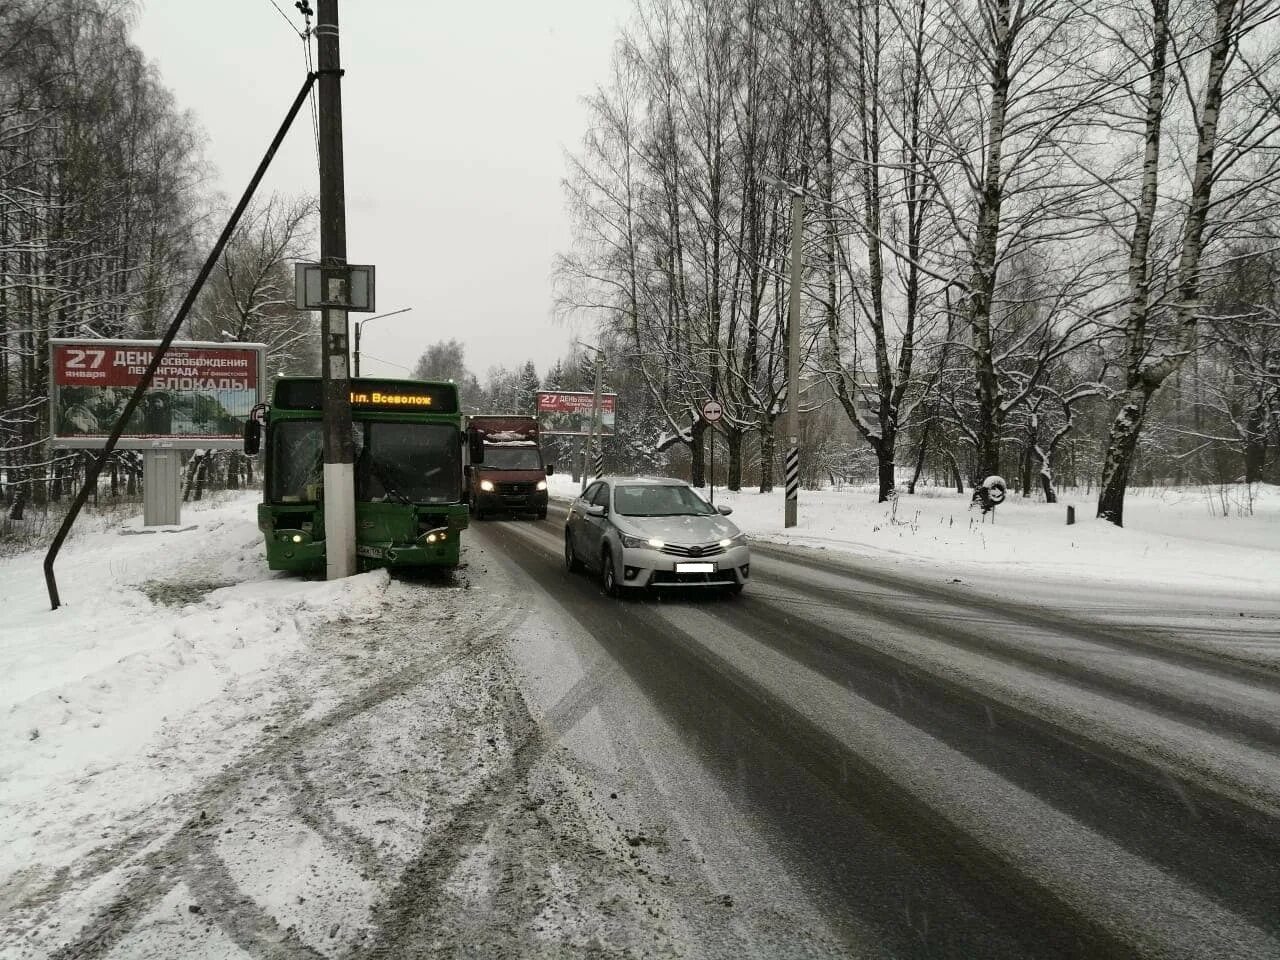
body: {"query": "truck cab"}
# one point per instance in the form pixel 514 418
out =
pixel 513 476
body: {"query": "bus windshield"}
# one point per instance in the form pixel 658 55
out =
pixel 397 462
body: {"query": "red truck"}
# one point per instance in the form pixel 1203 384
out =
pixel 513 476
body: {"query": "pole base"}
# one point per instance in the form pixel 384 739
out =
pixel 789 514
pixel 339 520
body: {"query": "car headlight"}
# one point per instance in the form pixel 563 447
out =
pixel 637 543
pixel 735 541
pixel 486 486
pixel 542 485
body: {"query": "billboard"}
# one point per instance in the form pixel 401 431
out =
pixel 201 395
pixel 570 413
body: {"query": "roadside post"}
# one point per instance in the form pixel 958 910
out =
pixel 712 411
pixel 792 465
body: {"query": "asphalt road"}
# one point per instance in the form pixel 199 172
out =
pixel 950 775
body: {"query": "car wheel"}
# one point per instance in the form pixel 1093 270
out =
pixel 608 575
pixel 571 561
pixel 542 514
pixel 734 589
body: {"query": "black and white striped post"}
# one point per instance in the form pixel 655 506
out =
pixel 789 514
pixel 793 485
pixel 599 462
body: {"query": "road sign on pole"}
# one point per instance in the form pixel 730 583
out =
pixel 712 411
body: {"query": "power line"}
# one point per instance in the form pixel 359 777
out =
pixel 286 18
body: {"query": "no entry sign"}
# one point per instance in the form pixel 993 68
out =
pixel 712 411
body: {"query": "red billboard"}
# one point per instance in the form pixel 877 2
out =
pixel 201 394
pixel 570 412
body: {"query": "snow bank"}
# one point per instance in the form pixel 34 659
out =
pixel 1168 539
pixel 149 675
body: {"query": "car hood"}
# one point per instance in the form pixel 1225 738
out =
pixel 685 530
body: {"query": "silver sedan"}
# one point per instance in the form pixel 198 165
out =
pixel 654 533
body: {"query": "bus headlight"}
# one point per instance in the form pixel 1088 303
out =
pixel 486 486
pixel 296 537
pixel 433 537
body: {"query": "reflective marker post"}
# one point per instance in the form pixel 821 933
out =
pixel 793 360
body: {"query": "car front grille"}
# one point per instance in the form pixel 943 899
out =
pixel 696 552
pixel 515 489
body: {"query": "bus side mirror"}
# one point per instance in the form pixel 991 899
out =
pixel 252 437
pixel 476 439
pixel 551 468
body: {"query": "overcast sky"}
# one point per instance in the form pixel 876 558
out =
pixel 456 117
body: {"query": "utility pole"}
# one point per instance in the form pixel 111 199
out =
pixel 339 446
pixel 593 437
pixel 792 464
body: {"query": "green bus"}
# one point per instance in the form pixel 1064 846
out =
pixel 408 473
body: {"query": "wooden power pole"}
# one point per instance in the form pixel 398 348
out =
pixel 339 445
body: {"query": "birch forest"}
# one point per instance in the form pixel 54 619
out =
pixel 105 216
pixel 1039 239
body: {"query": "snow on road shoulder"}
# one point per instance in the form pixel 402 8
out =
pixel 1170 540
pixel 154 673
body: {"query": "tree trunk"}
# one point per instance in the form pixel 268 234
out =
pixel 1255 447
pixel 233 471
pixel 698 457
pixel 956 476
pixel 768 452
pixel 733 440
pixel 886 470
pixel 1121 448
pixel 202 471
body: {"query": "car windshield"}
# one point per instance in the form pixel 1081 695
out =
pixel 522 457
pixel 405 462
pixel 659 500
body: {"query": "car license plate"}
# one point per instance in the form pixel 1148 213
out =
pixel 695 568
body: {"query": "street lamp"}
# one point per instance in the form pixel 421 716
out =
pixel 792 463
pixel 594 436
pixel 361 323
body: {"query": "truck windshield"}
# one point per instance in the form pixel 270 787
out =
pixel 404 462
pixel 499 457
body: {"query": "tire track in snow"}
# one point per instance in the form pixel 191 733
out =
pixel 162 868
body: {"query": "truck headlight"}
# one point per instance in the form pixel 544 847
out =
pixel 542 485
pixel 486 486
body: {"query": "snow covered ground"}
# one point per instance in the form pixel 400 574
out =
pixel 158 670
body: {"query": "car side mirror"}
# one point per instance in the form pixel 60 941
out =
pixel 724 511
pixel 551 468
pixel 476 439
pixel 594 510
pixel 252 437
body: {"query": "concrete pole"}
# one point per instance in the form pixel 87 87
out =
pixel 791 471
pixel 594 443
pixel 339 446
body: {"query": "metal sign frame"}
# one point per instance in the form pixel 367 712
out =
pixel 350 287
pixel 160 441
